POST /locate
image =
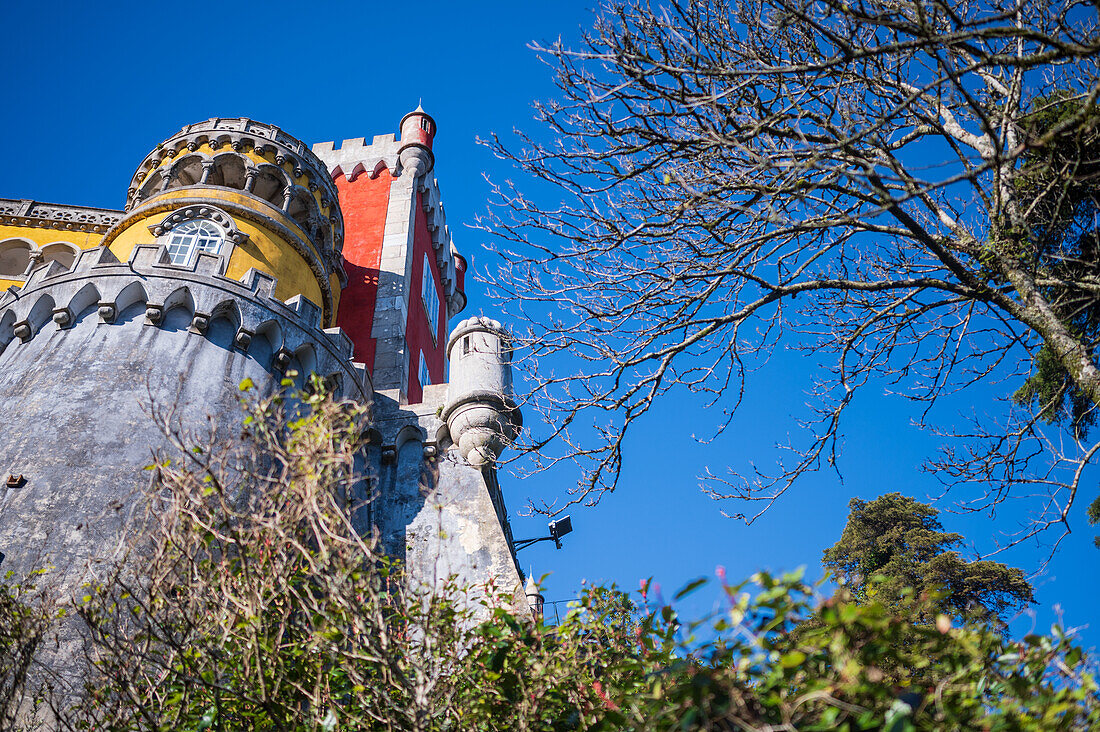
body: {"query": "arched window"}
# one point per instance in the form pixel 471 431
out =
pixel 15 256
pixel 61 252
pixel 191 237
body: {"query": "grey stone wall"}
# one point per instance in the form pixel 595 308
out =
pixel 86 352
pixel 442 516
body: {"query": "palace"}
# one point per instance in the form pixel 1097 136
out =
pixel 243 253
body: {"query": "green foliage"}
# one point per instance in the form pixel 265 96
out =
pixel 894 550
pixel 1093 514
pixel 257 606
pixel 24 622
pixel 1059 183
pixel 252 602
pixel 1060 178
pixel 860 666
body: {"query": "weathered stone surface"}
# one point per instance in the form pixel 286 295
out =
pixel 86 351
pixel 76 393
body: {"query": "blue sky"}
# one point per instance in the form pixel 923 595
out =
pixel 90 88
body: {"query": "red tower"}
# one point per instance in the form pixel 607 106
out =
pixel 405 279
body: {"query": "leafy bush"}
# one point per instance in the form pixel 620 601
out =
pixel 251 602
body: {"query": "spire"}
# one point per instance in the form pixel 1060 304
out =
pixel 534 598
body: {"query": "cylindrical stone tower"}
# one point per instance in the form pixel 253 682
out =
pixel 480 410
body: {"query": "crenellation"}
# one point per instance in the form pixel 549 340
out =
pixel 355 157
pixel 157 285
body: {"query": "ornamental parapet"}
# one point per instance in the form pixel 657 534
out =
pixel 25 212
pixel 284 334
pixel 259 159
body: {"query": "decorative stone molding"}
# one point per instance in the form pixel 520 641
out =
pixel 242 134
pixel 210 213
pixel 321 268
pixel 52 216
pixel 110 286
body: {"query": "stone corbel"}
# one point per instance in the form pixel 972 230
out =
pixel 63 317
pixel 154 314
pixel 281 359
pixel 22 330
pixel 200 323
pixel 243 338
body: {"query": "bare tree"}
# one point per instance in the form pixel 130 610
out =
pixel 906 185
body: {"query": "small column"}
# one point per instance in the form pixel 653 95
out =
pixel 36 256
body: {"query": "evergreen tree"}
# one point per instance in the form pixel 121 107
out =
pixel 894 549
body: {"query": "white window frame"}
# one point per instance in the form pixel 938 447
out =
pixel 429 296
pixel 231 236
pixel 184 242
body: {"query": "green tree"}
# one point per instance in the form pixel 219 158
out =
pixel 1060 180
pixel 743 669
pixel 894 551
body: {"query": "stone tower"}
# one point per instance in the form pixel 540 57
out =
pixel 242 253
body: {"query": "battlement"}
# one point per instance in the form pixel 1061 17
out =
pixel 288 333
pixel 354 157
pixel 238 134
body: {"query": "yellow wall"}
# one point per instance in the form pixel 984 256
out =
pixel 233 196
pixel 334 285
pixel 264 251
pixel 269 157
pixel 42 237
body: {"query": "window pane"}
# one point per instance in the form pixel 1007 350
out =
pixel 192 237
pixel 430 297
pixel 425 377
